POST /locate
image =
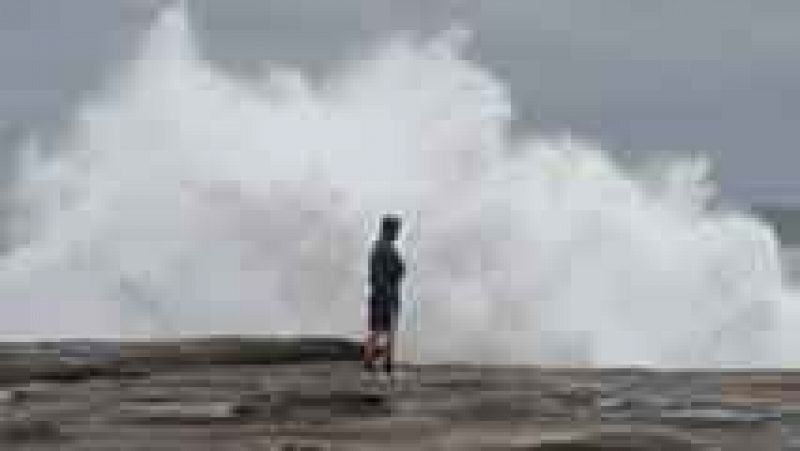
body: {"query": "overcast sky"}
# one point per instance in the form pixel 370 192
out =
pixel 641 77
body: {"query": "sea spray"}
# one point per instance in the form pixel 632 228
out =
pixel 183 200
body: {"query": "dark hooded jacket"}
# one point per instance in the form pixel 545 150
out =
pixel 386 271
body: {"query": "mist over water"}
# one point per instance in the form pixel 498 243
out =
pixel 185 201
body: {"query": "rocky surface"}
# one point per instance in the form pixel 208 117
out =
pixel 322 400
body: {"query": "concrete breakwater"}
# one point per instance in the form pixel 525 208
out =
pixel 78 359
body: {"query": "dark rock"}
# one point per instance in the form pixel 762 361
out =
pixel 294 405
pixel 62 372
pixel 28 430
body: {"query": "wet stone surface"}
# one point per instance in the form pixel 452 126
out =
pixel 332 405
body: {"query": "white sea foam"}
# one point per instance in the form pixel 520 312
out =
pixel 186 201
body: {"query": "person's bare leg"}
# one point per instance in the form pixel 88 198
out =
pixel 370 347
pixel 389 352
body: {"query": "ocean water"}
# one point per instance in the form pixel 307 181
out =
pixel 185 201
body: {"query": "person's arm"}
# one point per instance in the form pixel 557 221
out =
pixel 401 267
pixel 395 267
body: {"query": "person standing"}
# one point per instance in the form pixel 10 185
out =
pixel 386 271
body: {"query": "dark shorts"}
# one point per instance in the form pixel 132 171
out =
pixel 382 319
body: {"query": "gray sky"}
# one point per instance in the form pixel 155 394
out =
pixel 642 77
